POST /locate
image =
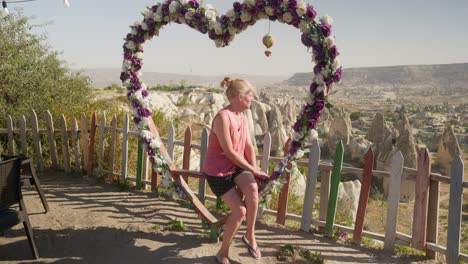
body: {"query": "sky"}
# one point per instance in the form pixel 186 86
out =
pixel 369 33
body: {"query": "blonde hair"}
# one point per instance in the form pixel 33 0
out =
pixel 235 87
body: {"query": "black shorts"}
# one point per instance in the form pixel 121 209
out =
pixel 222 184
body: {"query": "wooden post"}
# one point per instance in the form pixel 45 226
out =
pixel 283 196
pixel 65 147
pixel 202 182
pixel 145 167
pixel 421 202
pixel 393 201
pixel 75 143
pixel 335 182
pixel 324 193
pixel 187 150
pixel 51 137
pixel 433 217
pixel 92 144
pixel 37 140
pixel 140 155
pixel 11 140
pixel 364 195
pixel 264 166
pixel 309 198
pixel 455 210
pixel 112 148
pixel 102 133
pixel 24 142
pixel 170 141
pixel 123 165
pixel 84 138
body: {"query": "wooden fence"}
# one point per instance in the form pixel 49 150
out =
pixel 79 147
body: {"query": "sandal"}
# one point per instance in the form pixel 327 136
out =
pixel 252 251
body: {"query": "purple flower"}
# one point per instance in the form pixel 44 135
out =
pixel 197 16
pixel 311 123
pixel 144 112
pixel 292 5
pixel 128 55
pixel 136 104
pixel 203 28
pixel 313 87
pixel 275 3
pixel 239 24
pixel 224 20
pixel 212 34
pixel 151 151
pixel 333 53
pixel 124 76
pixel 144 93
pixel 279 12
pixel 319 105
pixel 325 29
pixel 260 5
pixel 194 4
pixel 226 37
pixel 181 11
pixel 237 7
pixel 129 94
pixel 306 39
pixel 298 125
pixel 318 68
pixel 136 119
pixel 311 13
pixel 338 75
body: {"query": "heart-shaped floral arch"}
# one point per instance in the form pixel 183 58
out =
pixel 316 35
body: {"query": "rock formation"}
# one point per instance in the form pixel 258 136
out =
pixel 447 149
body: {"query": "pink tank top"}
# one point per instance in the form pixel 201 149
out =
pixel 216 163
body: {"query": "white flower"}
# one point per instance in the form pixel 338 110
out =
pixel 245 17
pixel 130 45
pixel 327 20
pixel 285 3
pixel 231 14
pixel 139 55
pixel 232 30
pixel 250 2
pixel 318 78
pixel 133 32
pixel 189 14
pixel 182 20
pixel 137 23
pixel 145 134
pixel 336 64
pixel 173 7
pixel 219 43
pixel 159 10
pixel 155 143
pixel 297 136
pixel 184 2
pixel 167 18
pixel 262 15
pixel 301 9
pixel 217 28
pixel 127 83
pixel 330 41
pixel 139 73
pixel 148 13
pixel 299 154
pixel 321 88
pixel 157 17
pixel 210 15
pixel 210 7
pixel 287 17
pixel 137 95
pixel 304 26
pixel 313 134
pixel 144 26
pixel 269 10
pixel 126 65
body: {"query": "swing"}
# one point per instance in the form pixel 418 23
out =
pixel 315 35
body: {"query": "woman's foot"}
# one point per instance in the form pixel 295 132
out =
pixel 253 249
pixel 220 259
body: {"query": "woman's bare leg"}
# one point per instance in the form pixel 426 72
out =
pixel 246 182
pixel 233 200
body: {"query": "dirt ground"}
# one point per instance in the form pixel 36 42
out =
pixel 92 222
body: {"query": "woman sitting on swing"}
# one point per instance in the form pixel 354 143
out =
pixel 230 166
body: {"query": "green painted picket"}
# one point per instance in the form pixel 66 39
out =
pixel 335 181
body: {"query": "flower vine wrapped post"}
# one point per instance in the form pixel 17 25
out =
pixel 221 28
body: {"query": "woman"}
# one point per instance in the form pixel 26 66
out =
pixel 230 166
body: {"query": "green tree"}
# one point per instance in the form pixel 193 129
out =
pixel 32 76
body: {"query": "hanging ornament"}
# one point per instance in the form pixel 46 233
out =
pixel 268 41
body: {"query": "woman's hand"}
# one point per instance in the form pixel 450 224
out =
pixel 260 175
